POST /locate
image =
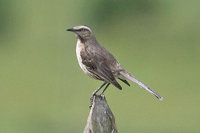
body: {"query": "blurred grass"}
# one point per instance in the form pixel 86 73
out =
pixel 42 88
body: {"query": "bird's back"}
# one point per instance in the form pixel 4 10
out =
pixel 96 49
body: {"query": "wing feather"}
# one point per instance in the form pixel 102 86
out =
pixel 97 65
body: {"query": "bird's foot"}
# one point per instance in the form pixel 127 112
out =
pixel 95 92
pixel 91 100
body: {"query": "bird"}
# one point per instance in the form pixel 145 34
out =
pixel 98 63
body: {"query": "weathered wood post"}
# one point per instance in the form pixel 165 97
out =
pixel 101 118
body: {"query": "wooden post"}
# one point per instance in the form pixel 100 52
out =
pixel 101 118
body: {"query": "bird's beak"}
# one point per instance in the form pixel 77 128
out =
pixel 70 29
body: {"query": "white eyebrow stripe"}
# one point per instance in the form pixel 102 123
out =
pixel 82 27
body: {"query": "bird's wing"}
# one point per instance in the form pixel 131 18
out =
pixel 97 65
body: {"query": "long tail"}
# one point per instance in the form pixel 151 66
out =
pixel 128 76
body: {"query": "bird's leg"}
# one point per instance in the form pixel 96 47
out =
pixel 105 89
pixel 94 93
pixel 98 89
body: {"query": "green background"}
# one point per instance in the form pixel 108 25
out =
pixel 43 90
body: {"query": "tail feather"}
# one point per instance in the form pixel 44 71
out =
pixel 126 82
pixel 128 76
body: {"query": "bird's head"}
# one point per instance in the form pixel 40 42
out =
pixel 82 32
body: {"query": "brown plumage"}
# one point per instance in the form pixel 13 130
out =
pixel 100 64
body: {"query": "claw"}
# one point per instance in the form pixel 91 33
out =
pixel 94 93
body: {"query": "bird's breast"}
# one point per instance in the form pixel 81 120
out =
pixel 79 48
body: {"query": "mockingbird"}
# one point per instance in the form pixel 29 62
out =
pixel 99 63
